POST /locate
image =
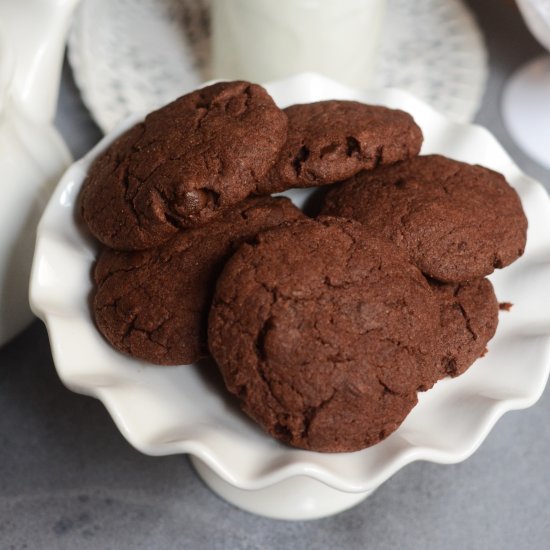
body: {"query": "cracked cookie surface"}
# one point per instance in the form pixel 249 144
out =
pixel 153 304
pixel 468 320
pixel 458 222
pixel 324 333
pixel 332 140
pixel 182 165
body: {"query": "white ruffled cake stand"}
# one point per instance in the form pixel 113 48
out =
pixel 184 409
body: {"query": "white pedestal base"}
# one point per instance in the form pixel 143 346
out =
pixel 295 499
pixel 526 109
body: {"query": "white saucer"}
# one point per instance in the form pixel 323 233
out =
pixel 132 56
pixel 526 109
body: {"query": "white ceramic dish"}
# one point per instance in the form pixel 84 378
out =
pixel 32 153
pixel 525 106
pixel 164 410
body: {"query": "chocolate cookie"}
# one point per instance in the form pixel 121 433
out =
pixel 324 333
pixel 153 304
pixel 456 221
pixel 468 320
pixel 332 140
pixel 198 155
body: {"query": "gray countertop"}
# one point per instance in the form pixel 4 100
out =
pixel 69 480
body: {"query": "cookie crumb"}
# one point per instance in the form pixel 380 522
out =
pixel 505 306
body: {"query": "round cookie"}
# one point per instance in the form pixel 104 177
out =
pixel 332 140
pixel 468 320
pixel 324 333
pixel 190 159
pixel 457 222
pixel 153 304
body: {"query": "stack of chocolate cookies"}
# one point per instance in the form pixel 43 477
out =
pixel 324 328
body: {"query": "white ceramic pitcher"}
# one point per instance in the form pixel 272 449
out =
pixel 32 154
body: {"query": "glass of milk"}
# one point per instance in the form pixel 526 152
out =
pixel 262 40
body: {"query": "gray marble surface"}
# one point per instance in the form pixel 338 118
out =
pixel 68 479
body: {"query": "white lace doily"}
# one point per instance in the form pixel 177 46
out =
pixel 136 55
